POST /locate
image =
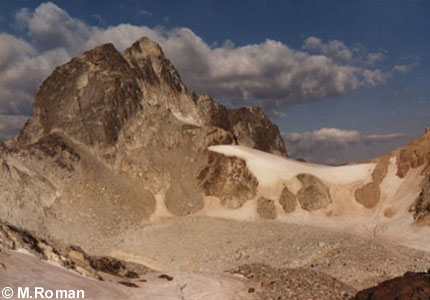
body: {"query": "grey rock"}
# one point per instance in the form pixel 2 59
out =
pixel 252 128
pixel 288 200
pixel 266 208
pixel 229 179
pixel 314 195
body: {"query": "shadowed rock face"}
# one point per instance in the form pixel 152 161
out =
pixel 2 146
pixel 421 209
pixel 414 155
pixel 314 194
pixel 369 194
pixel 252 128
pixel 288 200
pixel 409 286
pixel 229 179
pixel 266 208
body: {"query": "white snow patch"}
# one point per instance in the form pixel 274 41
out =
pixel 186 119
pixel 270 169
pixel 391 182
pixel 25 252
pixel 55 264
pixel 161 212
pixel 82 81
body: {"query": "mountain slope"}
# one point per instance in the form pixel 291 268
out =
pixel 117 140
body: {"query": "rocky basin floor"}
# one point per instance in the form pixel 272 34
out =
pixel 244 260
pixel 216 245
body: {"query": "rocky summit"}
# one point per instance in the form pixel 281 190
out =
pixel 126 176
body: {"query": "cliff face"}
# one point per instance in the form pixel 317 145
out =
pixel 414 155
pixel 120 137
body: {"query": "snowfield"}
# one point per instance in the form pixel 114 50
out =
pixel 270 169
pixel 389 220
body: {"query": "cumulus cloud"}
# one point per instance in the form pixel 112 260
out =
pixel 341 53
pixel 144 12
pixel 335 49
pixel 404 68
pixel 335 146
pixel 269 73
pixel 50 27
pixel 374 77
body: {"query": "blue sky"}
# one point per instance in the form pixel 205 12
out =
pixel 344 80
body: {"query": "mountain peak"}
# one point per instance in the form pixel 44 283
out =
pixel 143 48
pixel 94 96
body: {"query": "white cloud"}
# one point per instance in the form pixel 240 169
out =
pixel 12 49
pixel 313 44
pixel 334 145
pixel 336 50
pixel 342 54
pixel 146 13
pixel 270 71
pixel 50 27
pixel 404 68
pixel 374 57
pixel 374 77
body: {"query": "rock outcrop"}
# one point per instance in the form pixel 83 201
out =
pixel 266 208
pixel 288 200
pixel 421 208
pixel 406 287
pixel 314 194
pixel 69 257
pixel 252 128
pixel 370 194
pixel 2 147
pixel 414 155
pixel 229 179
